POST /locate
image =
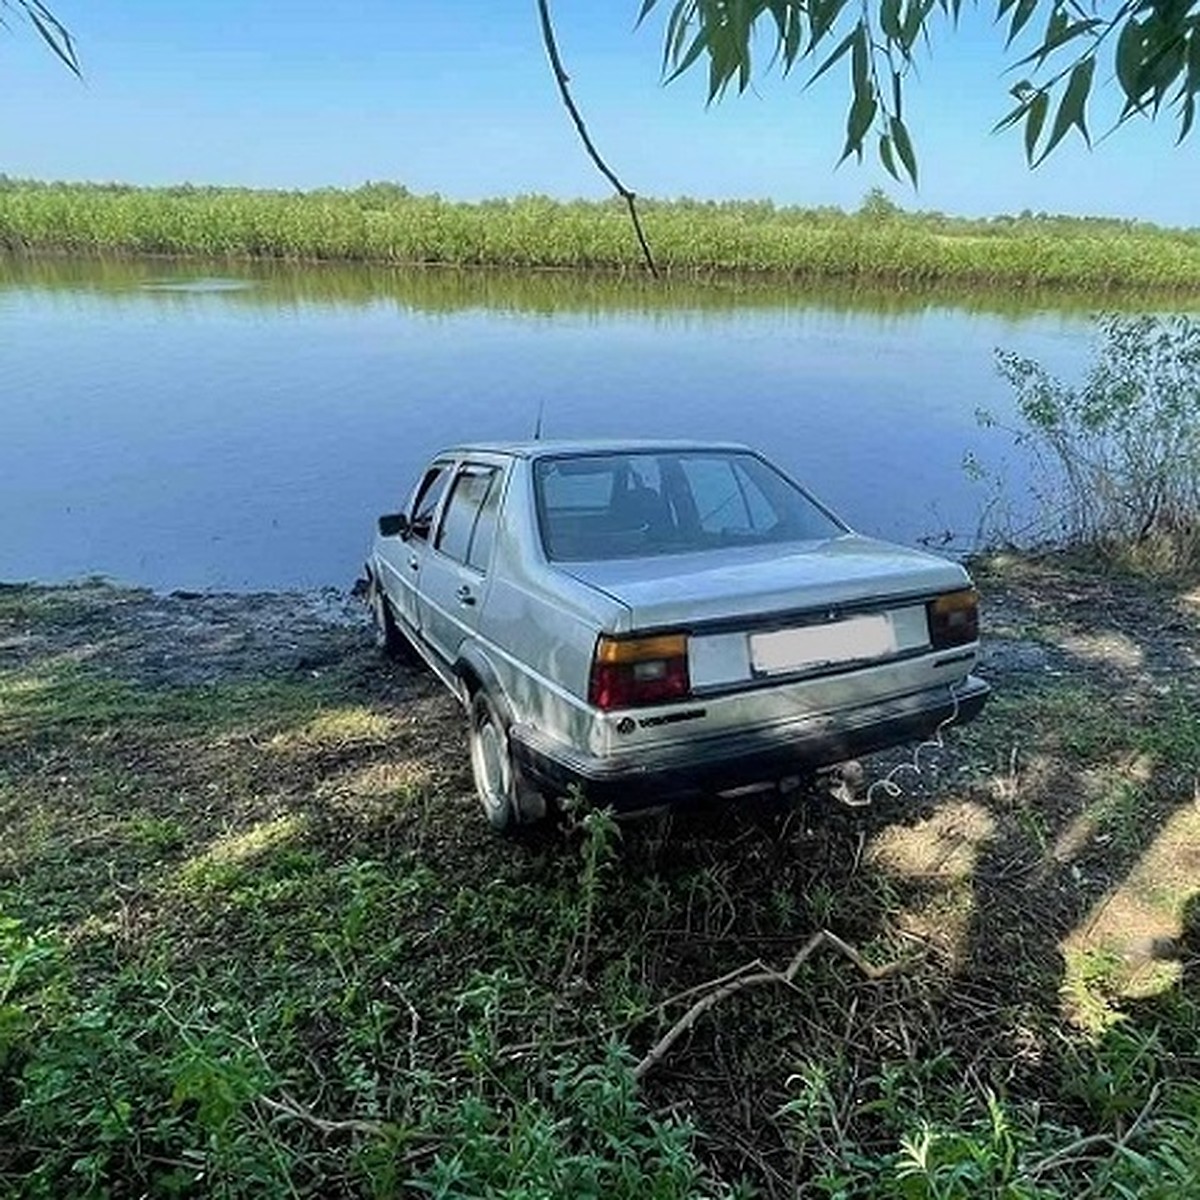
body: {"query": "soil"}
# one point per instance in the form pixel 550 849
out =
pixel 1054 616
pixel 1039 617
pixel 181 639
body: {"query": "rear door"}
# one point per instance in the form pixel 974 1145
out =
pixel 454 573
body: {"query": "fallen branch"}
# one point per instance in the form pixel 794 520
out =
pixel 745 977
pixel 598 1035
pixel 292 1108
pixel 287 1107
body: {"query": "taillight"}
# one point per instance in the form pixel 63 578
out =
pixel 954 619
pixel 627 672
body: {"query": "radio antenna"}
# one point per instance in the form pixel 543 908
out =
pixel 537 427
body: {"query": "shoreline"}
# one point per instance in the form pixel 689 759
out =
pixel 133 610
pixel 387 225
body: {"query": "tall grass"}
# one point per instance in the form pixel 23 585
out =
pixel 384 223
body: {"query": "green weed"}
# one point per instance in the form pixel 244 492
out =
pixel 1118 456
pixel 224 973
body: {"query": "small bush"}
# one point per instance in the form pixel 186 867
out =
pixel 1118 457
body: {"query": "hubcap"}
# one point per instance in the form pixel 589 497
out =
pixel 491 766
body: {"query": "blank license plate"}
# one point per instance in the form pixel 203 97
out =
pixel 821 645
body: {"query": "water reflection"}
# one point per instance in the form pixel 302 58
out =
pixel 238 426
pixel 448 289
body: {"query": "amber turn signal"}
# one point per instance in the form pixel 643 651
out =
pixel 627 672
pixel 954 619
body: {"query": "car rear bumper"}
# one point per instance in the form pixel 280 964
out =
pixel 719 763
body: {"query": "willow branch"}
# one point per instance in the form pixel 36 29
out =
pixel 50 30
pixel 563 80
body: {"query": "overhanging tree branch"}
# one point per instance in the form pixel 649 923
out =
pixel 49 28
pixel 1145 54
pixel 563 80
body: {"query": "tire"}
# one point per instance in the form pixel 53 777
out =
pixel 391 642
pixel 506 798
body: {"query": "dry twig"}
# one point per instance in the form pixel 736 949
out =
pixel 288 1107
pixel 748 976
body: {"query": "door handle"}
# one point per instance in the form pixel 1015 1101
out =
pixel 414 562
pixel 465 596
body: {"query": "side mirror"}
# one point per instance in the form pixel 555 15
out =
pixel 393 525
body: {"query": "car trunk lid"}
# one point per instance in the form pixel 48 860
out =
pixel 765 612
pixel 748 584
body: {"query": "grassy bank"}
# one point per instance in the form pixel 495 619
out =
pixel 381 223
pixel 255 939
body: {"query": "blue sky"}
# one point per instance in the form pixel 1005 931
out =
pixel 456 97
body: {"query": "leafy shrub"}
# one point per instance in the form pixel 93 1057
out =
pixel 591 1137
pixel 1118 457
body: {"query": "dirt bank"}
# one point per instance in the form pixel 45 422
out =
pixel 1039 617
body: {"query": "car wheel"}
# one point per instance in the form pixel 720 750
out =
pixel 507 799
pixel 388 637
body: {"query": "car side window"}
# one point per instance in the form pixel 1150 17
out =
pixel 426 500
pixel 468 498
pixel 480 552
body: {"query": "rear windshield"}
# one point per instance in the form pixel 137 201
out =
pixel 604 506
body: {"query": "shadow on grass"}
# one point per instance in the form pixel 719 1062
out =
pixel 282 889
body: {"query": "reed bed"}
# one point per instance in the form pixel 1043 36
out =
pixel 275 283
pixel 385 224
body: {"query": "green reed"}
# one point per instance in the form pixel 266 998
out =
pixel 385 224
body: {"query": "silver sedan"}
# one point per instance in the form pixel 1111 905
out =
pixel 654 621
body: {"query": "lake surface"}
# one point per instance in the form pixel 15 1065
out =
pixel 240 428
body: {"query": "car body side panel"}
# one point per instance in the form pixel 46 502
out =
pixel 541 625
pixel 396 566
pixel 452 596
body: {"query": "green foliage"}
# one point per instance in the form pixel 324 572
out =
pixel 877 205
pixel 1120 453
pixel 590 1136
pixel 1151 50
pixel 372 996
pixel 385 224
pixel 1116 1079
pixel 25 963
pixel 957 1142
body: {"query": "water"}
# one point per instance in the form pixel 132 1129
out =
pixel 240 428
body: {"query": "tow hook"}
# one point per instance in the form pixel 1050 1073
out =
pixel 844 783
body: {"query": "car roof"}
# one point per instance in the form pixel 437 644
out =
pixel 557 447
